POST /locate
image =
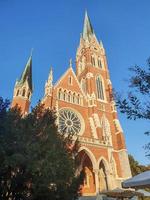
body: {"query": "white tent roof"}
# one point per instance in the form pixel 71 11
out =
pixel 140 180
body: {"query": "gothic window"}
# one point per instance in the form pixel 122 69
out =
pixel 74 98
pixel 69 97
pixel 93 60
pixel 99 86
pixel 59 94
pixel 99 63
pixel 17 93
pixel 28 95
pixel 78 99
pixel 69 122
pixel 83 85
pixel 64 95
pixel 23 93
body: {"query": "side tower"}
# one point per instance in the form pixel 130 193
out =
pixel 23 89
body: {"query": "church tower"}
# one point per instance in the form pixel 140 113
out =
pixel 23 89
pixel 85 107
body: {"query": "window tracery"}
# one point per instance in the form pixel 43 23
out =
pixel 100 89
pixel 69 122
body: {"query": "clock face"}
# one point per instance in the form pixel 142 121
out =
pixel 69 122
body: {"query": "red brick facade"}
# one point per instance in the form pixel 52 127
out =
pixel 85 105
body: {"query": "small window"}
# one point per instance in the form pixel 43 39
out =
pixel 64 97
pixel 70 80
pixel 69 97
pixel 59 94
pixel 23 93
pixel 99 63
pixel 17 93
pixel 28 95
pixel 93 60
pixel 78 99
pixel 73 98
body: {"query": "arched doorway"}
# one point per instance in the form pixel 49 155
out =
pixel 103 179
pixel 88 186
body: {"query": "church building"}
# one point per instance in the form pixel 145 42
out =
pixel 85 106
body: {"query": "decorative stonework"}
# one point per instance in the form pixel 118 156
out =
pixel 89 75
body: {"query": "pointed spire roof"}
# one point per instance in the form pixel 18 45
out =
pixel 50 77
pixel 87 29
pixel 27 74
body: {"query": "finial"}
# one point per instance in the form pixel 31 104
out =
pixel 31 52
pixel 101 43
pixel 70 62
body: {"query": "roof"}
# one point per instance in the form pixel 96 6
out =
pixel 26 74
pixel 87 29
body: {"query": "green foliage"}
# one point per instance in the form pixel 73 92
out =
pixel 136 168
pixel 35 160
pixel 137 103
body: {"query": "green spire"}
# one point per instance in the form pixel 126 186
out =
pixel 27 74
pixel 87 29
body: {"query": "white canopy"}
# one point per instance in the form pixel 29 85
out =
pixel 140 181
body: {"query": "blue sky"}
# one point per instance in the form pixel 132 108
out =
pixel 53 29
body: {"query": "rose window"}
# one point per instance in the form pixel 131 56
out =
pixel 69 122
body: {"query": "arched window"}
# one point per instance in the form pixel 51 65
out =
pixel 99 63
pixel 78 99
pixel 59 94
pixel 23 93
pixel 64 96
pixel 99 86
pixel 93 60
pixel 69 97
pixel 74 98
pixel 28 95
pixel 83 85
pixel 17 93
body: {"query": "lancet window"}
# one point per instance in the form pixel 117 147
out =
pixel 69 96
pixel 100 89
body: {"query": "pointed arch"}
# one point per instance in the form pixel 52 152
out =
pixel 90 154
pixel 100 88
pixel 87 165
pixel 60 93
pixel 103 174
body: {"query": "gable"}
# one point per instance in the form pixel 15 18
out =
pixel 69 82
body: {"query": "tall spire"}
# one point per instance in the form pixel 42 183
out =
pixel 27 74
pixel 87 29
